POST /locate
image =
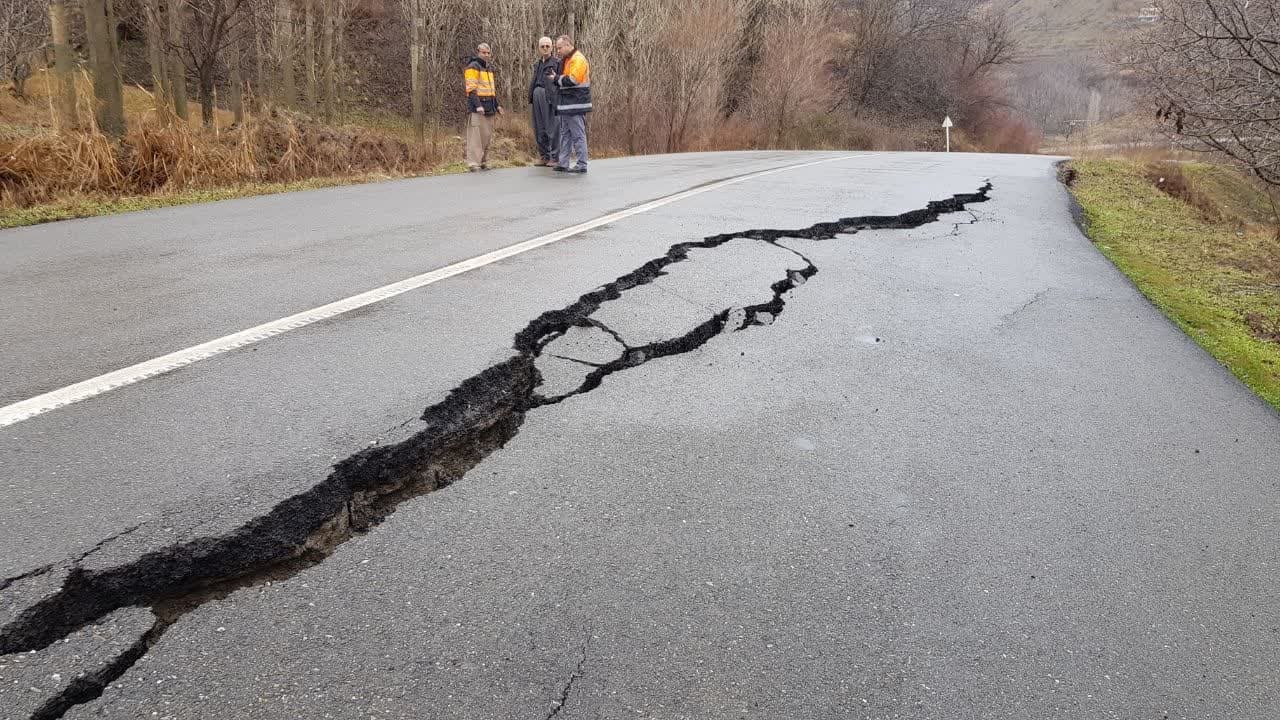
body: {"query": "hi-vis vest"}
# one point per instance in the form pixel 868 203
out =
pixel 575 86
pixel 481 91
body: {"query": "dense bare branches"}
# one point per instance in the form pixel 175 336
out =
pixel 747 53
pixel 781 95
pixel 924 58
pixel 668 75
pixel 24 25
pixel 1213 70
pixel 211 27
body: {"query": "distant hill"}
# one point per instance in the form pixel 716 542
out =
pixel 1056 28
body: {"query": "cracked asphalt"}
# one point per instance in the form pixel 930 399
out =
pixel 966 471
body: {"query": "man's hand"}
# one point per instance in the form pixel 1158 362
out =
pixel 499 109
pixel 480 110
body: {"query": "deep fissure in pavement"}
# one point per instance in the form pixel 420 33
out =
pixel 475 419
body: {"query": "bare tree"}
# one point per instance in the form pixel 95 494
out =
pixel 63 62
pixel 914 59
pixel 513 32
pixel 698 37
pixel 780 95
pixel 415 14
pixel 261 13
pixel 341 73
pixel 24 25
pixel 103 59
pixel 748 51
pixel 156 48
pixel 284 53
pixel 311 10
pixel 440 53
pixel 213 25
pixel 1056 94
pixel 177 69
pixel 631 29
pixel 327 86
pixel 1212 68
pixel 236 80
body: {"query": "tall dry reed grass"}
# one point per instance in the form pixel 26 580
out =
pixel 160 154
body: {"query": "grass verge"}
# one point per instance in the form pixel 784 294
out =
pixel 1202 247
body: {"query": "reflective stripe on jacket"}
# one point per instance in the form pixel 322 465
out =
pixel 575 85
pixel 481 89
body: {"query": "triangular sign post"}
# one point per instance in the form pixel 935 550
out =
pixel 946 127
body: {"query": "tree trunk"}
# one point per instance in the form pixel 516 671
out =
pixel 435 107
pixel 782 118
pixel 237 83
pixel 631 116
pixel 155 52
pixel 328 91
pixel 62 67
pixel 206 95
pixel 339 61
pixel 309 49
pixel 415 72
pixel 177 72
pixel 740 64
pixel 113 32
pixel 284 52
pixel 106 79
pixel 260 70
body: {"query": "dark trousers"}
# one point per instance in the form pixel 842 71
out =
pixel 545 125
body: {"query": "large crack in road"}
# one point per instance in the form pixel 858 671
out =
pixel 476 418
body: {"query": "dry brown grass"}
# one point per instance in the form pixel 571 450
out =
pixel 1219 193
pixel 1266 328
pixel 821 132
pixel 1170 178
pixel 159 155
pixel 34 113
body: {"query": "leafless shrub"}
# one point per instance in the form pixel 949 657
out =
pixel 1212 69
pixel 24 25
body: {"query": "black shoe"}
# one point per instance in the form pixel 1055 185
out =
pixel 558 168
pixel 578 170
pixel 484 167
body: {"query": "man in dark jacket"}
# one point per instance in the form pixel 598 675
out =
pixel 542 100
pixel 573 102
pixel 482 105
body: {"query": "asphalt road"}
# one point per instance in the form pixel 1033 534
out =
pixel 956 470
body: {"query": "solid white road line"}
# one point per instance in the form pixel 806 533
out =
pixel 40 404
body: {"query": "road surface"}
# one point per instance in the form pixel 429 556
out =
pixel 775 435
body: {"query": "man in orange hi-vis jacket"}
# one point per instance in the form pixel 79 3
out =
pixel 482 105
pixel 573 102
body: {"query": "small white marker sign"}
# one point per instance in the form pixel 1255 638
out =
pixel 946 127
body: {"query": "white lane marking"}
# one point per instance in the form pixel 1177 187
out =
pixel 54 399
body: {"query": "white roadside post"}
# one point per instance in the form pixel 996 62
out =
pixel 946 127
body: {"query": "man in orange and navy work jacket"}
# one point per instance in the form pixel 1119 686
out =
pixel 572 104
pixel 482 105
